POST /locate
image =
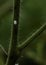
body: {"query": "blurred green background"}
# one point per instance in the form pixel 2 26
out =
pixel 6 20
pixel 31 17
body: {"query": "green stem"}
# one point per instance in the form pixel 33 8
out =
pixel 32 37
pixel 3 50
pixel 13 54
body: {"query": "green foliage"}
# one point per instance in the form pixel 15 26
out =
pixel 31 17
pixel 6 19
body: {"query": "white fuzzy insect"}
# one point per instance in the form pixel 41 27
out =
pixel 15 22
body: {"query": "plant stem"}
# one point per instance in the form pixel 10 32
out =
pixel 3 50
pixel 13 54
pixel 32 37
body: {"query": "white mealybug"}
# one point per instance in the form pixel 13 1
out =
pixel 16 64
pixel 15 22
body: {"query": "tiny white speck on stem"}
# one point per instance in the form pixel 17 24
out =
pixel 16 64
pixel 15 22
